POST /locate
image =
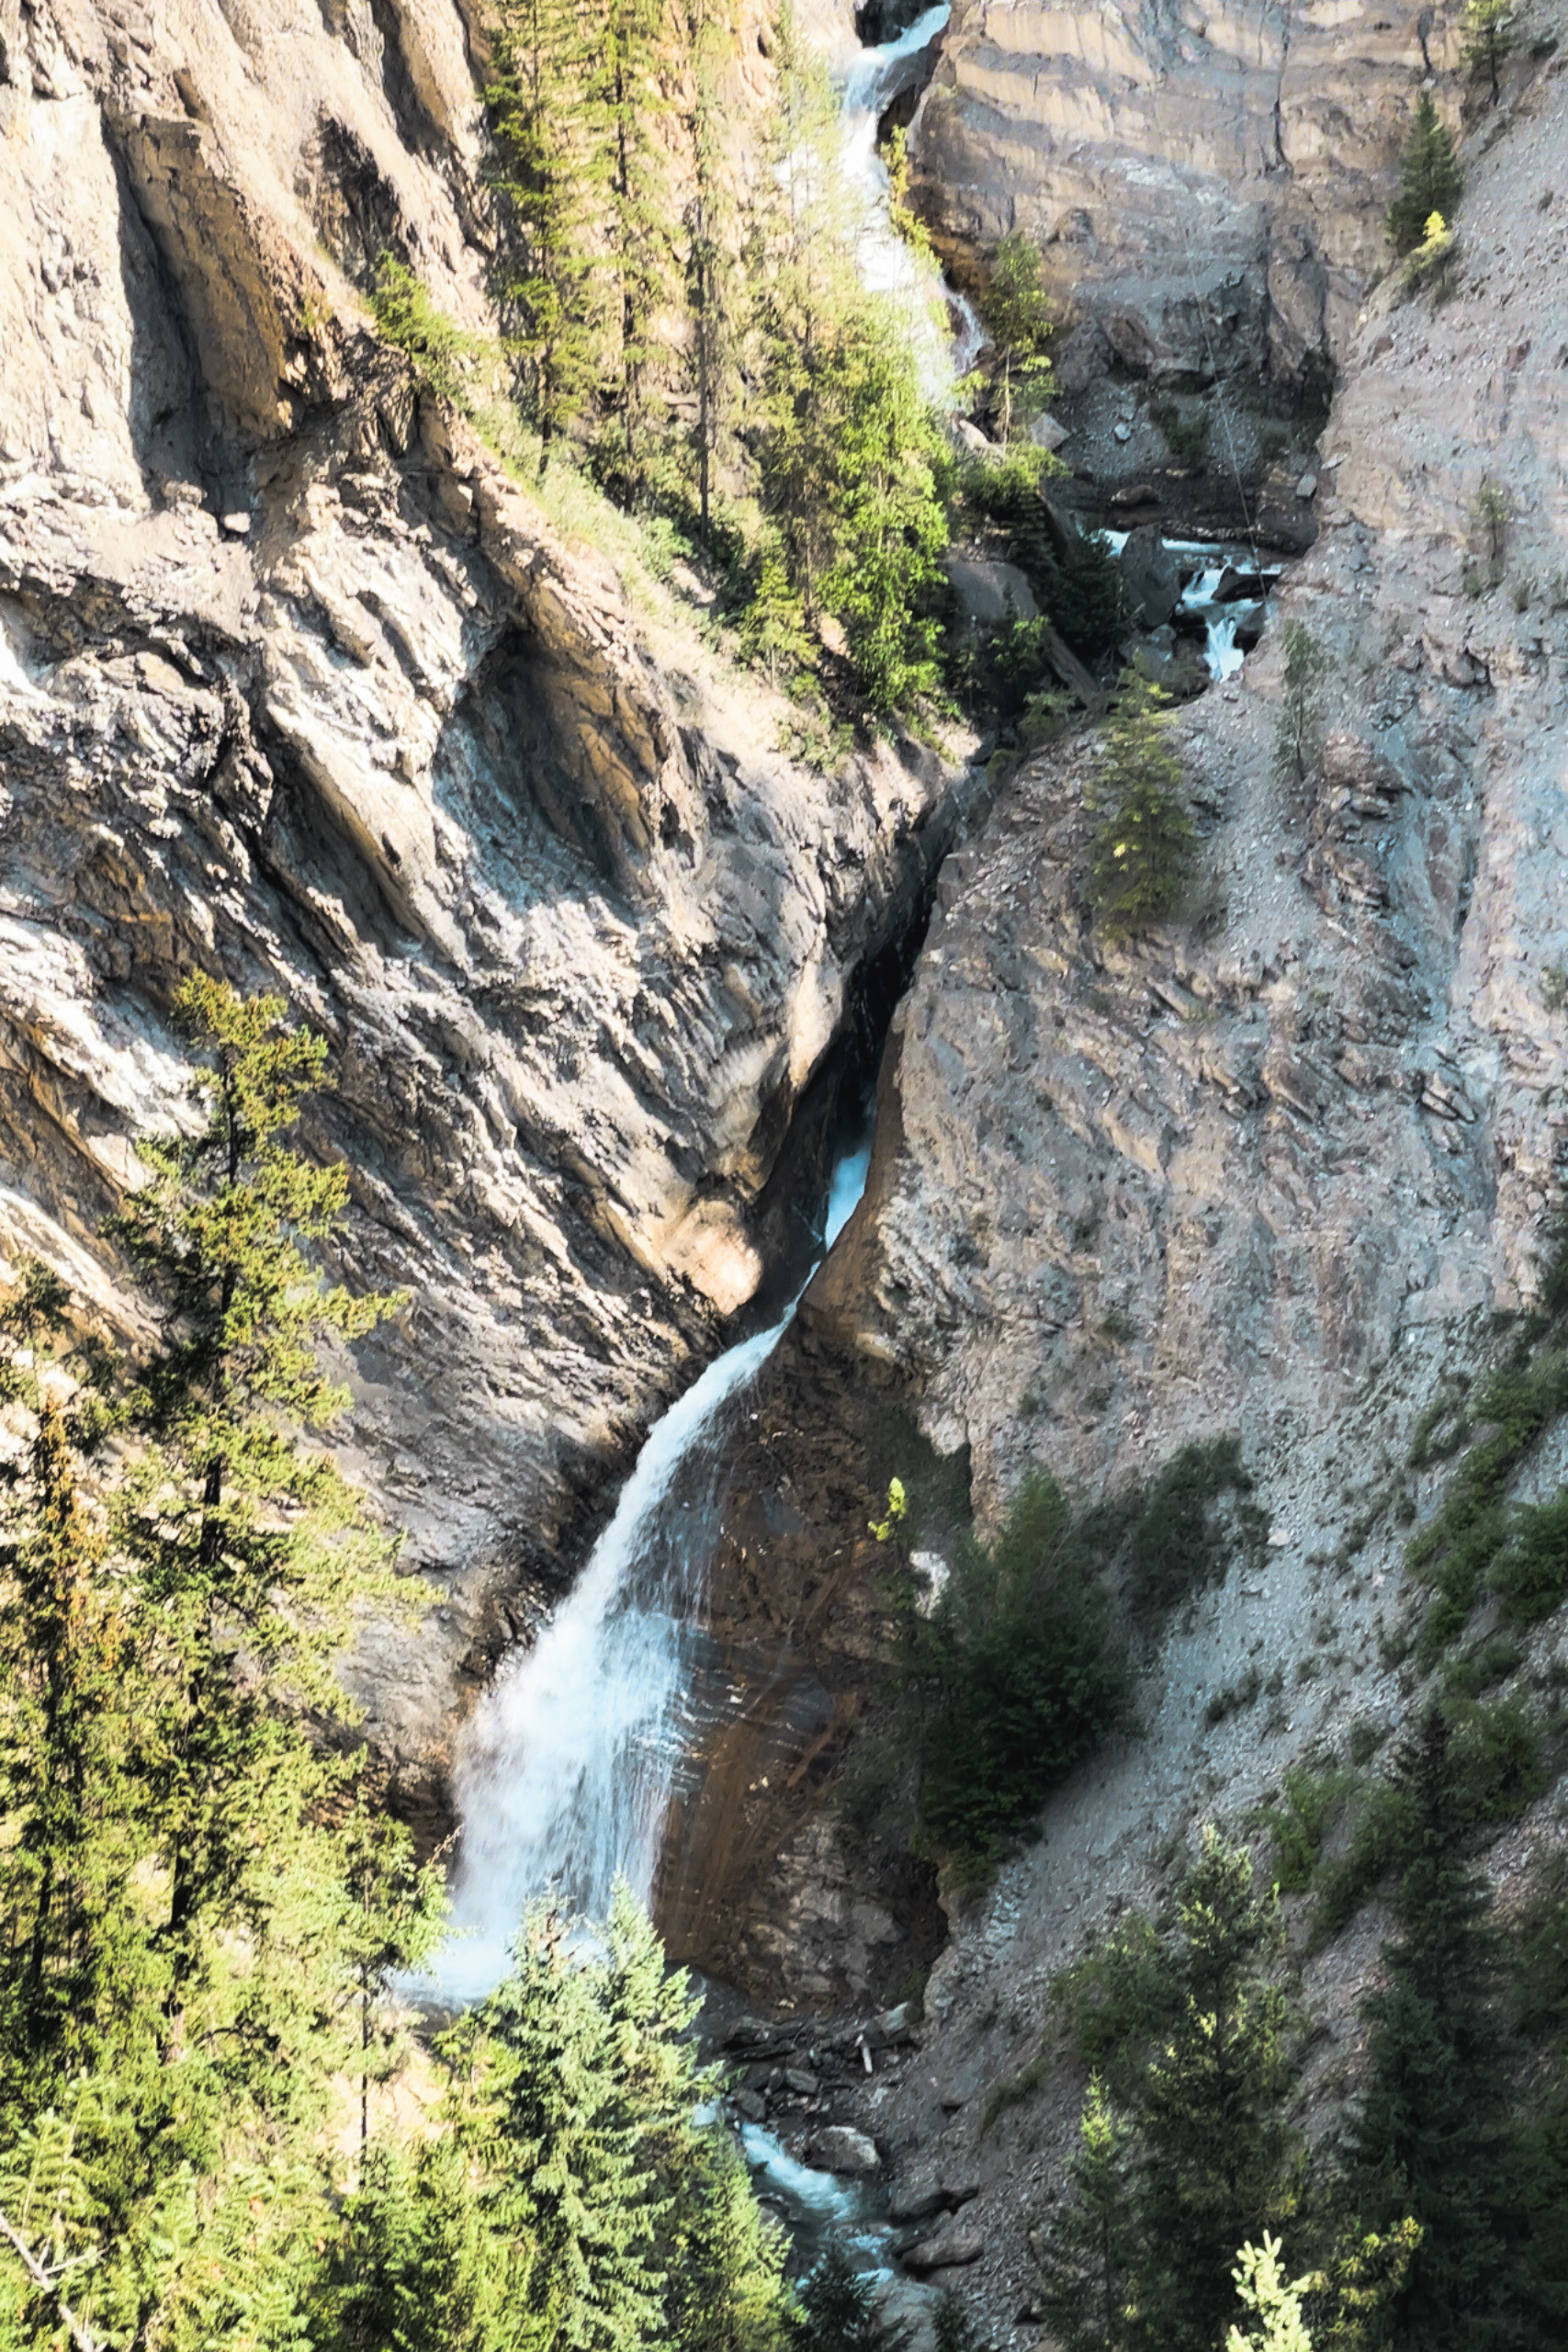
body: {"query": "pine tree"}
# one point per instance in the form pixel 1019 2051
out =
pixel 1089 2256
pixel 727 2291
pixel 254 1553
pixel 625 105
pixel 1432 2136
pixel 570 2183
pixel 1273 2301
pixel 1305 665
pixel 549 279
pixel 1017 316
pixel 1141 852
pixel 1216 2154
pixel 394 1920
pixel 838 2308
pixel 713 282
pixel 1488 40
pixel 1429 178
pixel 63 1727
pixel 414 2270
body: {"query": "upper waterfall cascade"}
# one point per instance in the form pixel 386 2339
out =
pixel 564 1775
pixel 889 262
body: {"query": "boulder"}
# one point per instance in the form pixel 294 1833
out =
pixel 1151 576
pixel 840 2148
pixel 1046 434
pixel 804 2084
pixel 990 593
pixel 918 2198
pixel 949 2249
pixel 751 2105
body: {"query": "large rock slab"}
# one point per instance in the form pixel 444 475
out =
pixel 1208 188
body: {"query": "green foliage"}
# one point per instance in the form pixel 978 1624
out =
pixel 1175 1547
pixel 1431 2136
pixel 1200 2158
pixel 1082 588
pixel 1273 2302
pixel 406 316
pixel 1017 316
pixel 1142 851
pixel 838 2313
pixel 1299 1822
pixel 1186 437
pixel 1488 41
pixel 1089 2261
pixel 773 631
pixel 1014 1678
pixel 1455 1552
pixel 414 2270
pixel 1496 1770
pixel 617 2222
pixel 1115 2001
pixel 1305 666
pixel 1429 178
pixel 187 1958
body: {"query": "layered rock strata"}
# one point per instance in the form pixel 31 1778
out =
pixel 1208 182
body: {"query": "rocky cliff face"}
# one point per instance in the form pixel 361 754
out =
pixel 1275 1171
pixel 297 683
pixel 1208 182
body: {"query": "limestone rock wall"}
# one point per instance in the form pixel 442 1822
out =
pixel 1208 181
pixel 297 683
pixel 1275 1171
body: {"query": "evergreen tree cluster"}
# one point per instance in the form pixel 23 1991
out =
pixel 1434 2218
pixel 717 361
pixel 203 1904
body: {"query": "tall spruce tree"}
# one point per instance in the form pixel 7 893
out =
pixel 1090 2257
pixel 1488 41
pixel 1142 851
pixel 713 281
pixel 549 277
pixel 1216 2156
pixel 254 1553
pixel 1018 314
pixel 625 107
pixel 63 1727
pixel 1429 178
pixel 1433 2136
pixel 570 2181
pixel 173 1631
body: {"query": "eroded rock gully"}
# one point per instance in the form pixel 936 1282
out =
pixel 298 684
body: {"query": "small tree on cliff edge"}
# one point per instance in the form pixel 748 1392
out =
pixel 1429 178
pixel 1488 41
pixel 1141 855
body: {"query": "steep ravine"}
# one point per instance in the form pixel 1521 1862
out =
pixel 297 683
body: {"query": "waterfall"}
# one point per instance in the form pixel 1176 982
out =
pixel 947 346
pixel 564 1774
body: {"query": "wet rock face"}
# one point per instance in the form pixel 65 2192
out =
pixel 1208 186
pixel 298 686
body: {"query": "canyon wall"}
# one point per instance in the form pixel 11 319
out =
pixel 299 684
pixel 1208 182
pixel 1288 1168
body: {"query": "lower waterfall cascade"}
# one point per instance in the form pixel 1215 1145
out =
pixel 564 1775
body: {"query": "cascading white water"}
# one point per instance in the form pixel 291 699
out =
pixel 947 330
pixel 564 1775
